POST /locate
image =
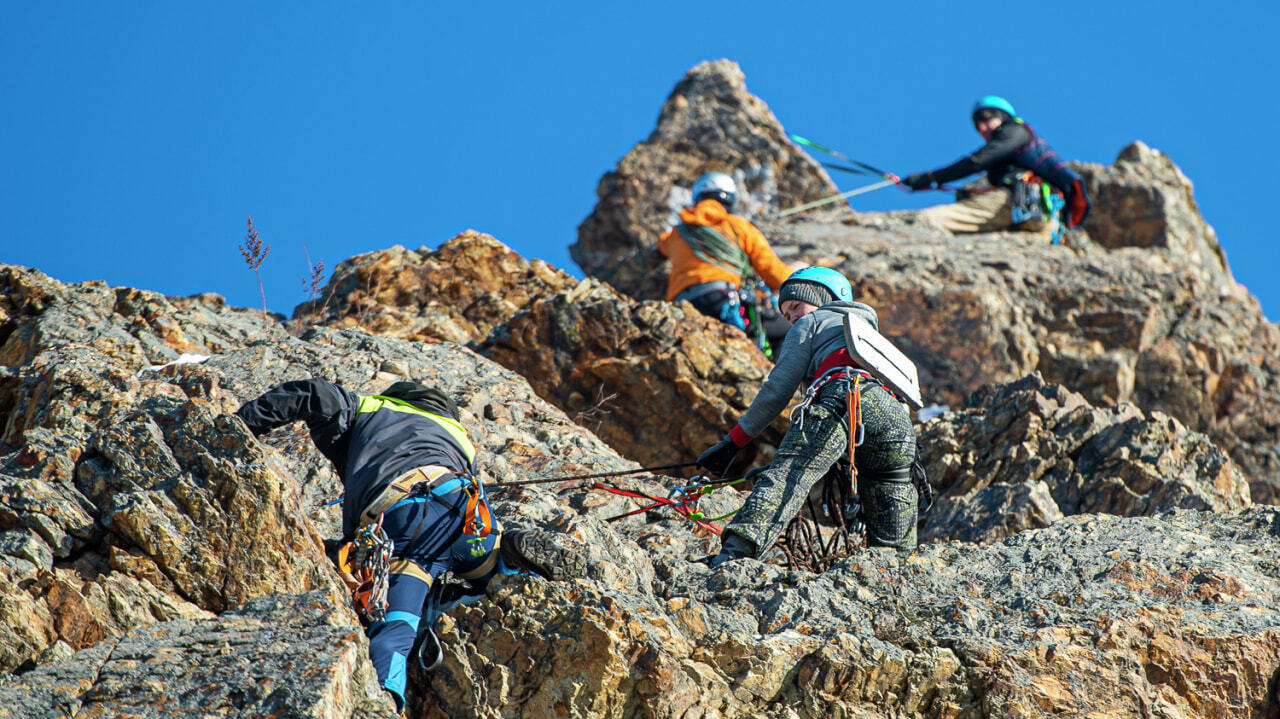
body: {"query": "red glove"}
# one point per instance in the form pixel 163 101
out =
pixel 1078 204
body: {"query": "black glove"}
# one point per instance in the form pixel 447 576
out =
pixel 918 180
pixel 716 459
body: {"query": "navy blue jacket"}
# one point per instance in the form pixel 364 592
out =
pixel 370 440
pixel 1013 149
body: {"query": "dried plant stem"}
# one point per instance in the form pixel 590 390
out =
pixel 254 253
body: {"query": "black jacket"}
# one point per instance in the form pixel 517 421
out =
pixel 996 157
pixel 370 440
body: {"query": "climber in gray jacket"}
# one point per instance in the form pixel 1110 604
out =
pixel 815 300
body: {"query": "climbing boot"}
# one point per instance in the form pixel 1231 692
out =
pixel 532 550
pixel 733 547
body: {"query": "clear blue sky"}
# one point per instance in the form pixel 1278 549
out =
pixel 137 136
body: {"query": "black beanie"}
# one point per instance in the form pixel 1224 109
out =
pixel 805 291
pixel 428 399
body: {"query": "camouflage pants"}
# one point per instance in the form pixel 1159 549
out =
pixel 818 440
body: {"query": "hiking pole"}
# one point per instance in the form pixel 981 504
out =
pixel 833 198
pixel 864 167
pixel 598 475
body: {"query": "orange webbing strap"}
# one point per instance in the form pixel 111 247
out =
pixel 479 520
pixel 853 396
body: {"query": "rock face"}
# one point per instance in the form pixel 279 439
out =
pixel 128 496
pixel 1023 455
pixel 1144 200
pixel 659 382
pixel 149 541
pixel 709 123
pixel 1115 326
pixel 244 663
pixel 1096 616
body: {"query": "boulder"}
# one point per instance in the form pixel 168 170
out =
pixel 455 293
pixel 1025 454
pixel 1144 200
pixel 708 123
pixel 274 656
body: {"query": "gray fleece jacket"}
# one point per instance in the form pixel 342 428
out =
pixel 811 339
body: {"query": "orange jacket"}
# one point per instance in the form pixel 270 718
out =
pixel 687 270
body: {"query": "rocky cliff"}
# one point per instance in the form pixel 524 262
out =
pixel 1095 549
pixel 1140 308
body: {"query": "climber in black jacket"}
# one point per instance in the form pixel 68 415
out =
pixel 407 466
pixel 1017 163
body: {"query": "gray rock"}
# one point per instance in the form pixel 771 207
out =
pixel 274 656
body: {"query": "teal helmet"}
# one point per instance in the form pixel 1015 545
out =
pixel 816 285
pixel 987 103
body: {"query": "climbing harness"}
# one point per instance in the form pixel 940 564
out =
pixel 804 542
pixel 364 564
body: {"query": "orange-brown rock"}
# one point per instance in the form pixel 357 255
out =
pixel 659 382
pixel 455 293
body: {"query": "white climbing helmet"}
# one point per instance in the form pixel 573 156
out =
pixel 716 185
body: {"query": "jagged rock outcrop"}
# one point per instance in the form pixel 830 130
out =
pixel 128 498
pixel 1144 200
pixel 1023 455
pixel 455 293
pixel 708 123
pixel 659 382
pixel 1119 326
pixel 148 483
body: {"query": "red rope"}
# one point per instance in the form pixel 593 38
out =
pixel 681 507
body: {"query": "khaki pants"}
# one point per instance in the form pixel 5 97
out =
pixel 982 212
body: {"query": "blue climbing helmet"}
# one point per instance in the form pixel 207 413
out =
pixel 986 104
pixel 815 285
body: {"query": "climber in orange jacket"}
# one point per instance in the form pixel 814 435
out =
pixel 716 257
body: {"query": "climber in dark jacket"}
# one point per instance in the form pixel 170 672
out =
pixel 1016 161
pixel 406 462
pixel 816 299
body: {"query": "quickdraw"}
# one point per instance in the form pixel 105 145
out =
pixel 478 518
pixel 364 564
pixel 683 500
